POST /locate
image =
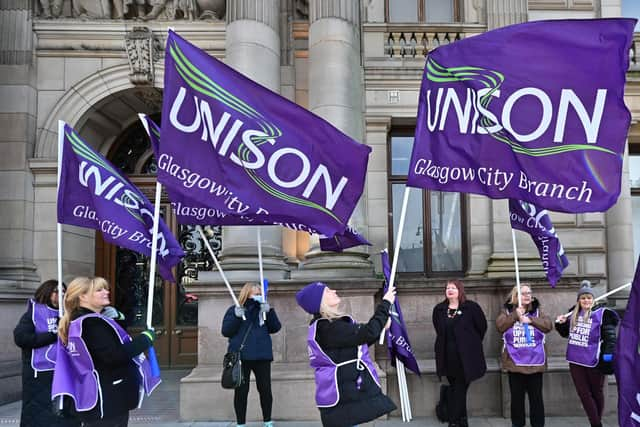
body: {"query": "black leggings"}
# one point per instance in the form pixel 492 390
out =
pixel 531 384
pixel 262 371
pixel 117 421
pixel 457 398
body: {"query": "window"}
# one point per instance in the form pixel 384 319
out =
pixel 634 181
pixel 438 215
pixel 431 11
pixel 631 9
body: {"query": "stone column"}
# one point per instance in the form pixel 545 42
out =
pixel 336 95
pixel 253 48
pixel 620 259
pixel 17 138
pixel 505 12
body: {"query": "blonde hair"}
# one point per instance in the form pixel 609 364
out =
pixel 330 313
pixel 514 294
pixel 586 315
pixel 245 292
pixel 78 287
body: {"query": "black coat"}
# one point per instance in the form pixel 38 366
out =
pixel 118 374
pixel 608 336
pixel 469 328
pixel 340 339
pixel 37 407
pixel 258 344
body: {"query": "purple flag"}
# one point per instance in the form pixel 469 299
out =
pixel 530 219
pixel 340 242
pixel 398 339
pixel 532 112
pixel 94 194
pixel 627 359
pixel 231 144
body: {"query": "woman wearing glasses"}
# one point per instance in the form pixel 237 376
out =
pixel 524 327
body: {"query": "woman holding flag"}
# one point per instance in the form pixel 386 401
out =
pixel 524 327
pixel 347 387
pixel 591 330
pixel 37 335
pixel 460 326
pixel 100 367
pixel 248 327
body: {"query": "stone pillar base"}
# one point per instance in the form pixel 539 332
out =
pixel 503 266
pixel 239 268
pixel 333 265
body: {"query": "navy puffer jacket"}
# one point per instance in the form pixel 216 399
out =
pixel 258 343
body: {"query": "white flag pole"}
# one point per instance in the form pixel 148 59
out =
pixel 515 260
pixel 154 256
pixel 403 406
pixel 58 225
pixel 264 297
pixel 396 251
pixel 215 260
pixel 603 296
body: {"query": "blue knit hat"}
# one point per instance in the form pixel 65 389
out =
pixel 310 297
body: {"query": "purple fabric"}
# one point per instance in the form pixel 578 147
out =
pixel 583 347
pixel 524 112
pixel 233 145
pixel 398 342
pixel 45 319
pixel 326 370
pixel 627 368
pixel 525 352
pixel 75 373
pixel 310 297
pixel 535 221
pixel 94 194
pixel 189 211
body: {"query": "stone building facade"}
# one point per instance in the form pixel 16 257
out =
pixel 98 63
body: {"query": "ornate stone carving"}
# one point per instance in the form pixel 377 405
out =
pixel 135 9
pixel 142 49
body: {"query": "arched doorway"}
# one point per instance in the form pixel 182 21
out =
pixel 175 312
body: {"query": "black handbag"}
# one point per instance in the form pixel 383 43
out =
pixel 232 366
pixel 442 409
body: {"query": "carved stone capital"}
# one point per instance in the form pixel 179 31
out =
pixel 265 11
pixel 349 10
pixel 142 50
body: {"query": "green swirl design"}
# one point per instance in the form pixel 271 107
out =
pixel 203 84
pixel 80 148
pixel 493 80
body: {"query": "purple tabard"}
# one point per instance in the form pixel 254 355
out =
pixel 45 319
pixel 76 376
pixel 326 370
pixel 525 353
pixel 583 347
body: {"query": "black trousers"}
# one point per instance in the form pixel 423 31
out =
pixel 457 398
pixel 118 421
pixel 262 371
pixel 531 384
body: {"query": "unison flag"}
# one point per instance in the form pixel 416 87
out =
pixel 339 242
pixel 398 338
pixel 94 194
pixel 530 219
pixel 532 112
pixel 231 144
pixel 627 359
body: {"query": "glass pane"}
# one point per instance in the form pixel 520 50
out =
pixel 631 9
pixel 635 209
pixel 438 10
pixel 634 171
pixel 403 10
pixel 401 154
pixel 411 258
pixel 446 232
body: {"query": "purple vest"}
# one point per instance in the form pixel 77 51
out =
pixel 583 347
pixel 525 353
pixel 75 373
pixel 326 370
pixel 45 319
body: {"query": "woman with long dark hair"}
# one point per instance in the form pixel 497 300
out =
pixel 37 335
pixel 460 328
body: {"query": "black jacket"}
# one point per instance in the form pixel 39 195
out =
pixel 340 339
pixel 37 407
pixel 118 374
pixel 258 343
pixel 469 328
pixel 608 336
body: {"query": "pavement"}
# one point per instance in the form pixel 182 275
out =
pixel 161 410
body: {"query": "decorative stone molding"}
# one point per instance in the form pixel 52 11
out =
pixel 348 10
pixel 143 49
pixel 505 12
pixel 265 11
pixel 16 43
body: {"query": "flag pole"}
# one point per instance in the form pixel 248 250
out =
pixel 58 225
pixel 527 332
pixel 603 296
pixel 396 251
pixel 153 360
pixel 264 297
pixel 215 260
